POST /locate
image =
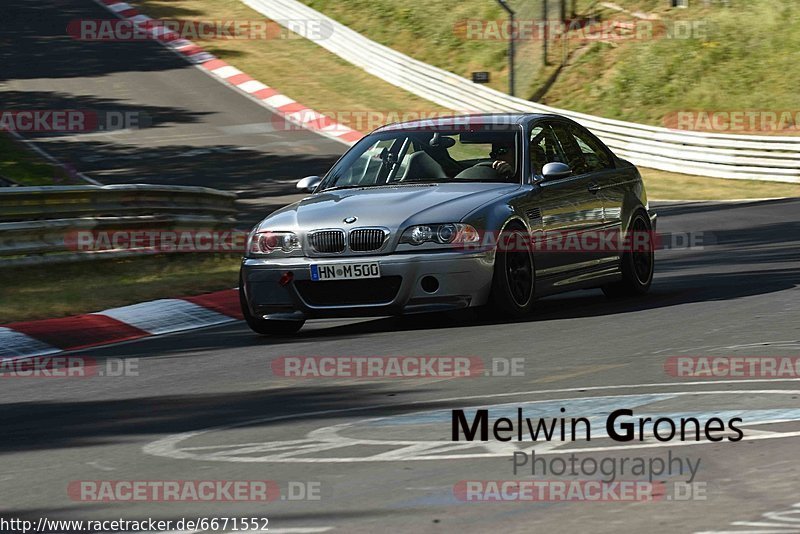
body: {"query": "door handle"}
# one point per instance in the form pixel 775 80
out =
pixel 593 187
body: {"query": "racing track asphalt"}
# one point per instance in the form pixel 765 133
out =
pixel 194 130
pixel 736 296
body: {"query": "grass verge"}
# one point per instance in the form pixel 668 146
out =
pixel 736 60
pixel 672 186
pixel 19 165
pixel 45 292
pixel 709 56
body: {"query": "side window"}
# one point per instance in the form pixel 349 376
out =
pixel 544 148
pixel 595 157
pixel 574 156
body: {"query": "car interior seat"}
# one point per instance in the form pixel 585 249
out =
pixel 422 166
pixel 538 159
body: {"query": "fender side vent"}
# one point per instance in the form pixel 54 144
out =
pixel 533 214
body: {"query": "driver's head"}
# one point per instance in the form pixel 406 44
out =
pixel 503 152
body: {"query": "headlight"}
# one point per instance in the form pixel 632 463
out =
pixel 269 242
pixel 443 234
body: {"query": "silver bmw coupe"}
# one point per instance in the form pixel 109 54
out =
pixel 489 211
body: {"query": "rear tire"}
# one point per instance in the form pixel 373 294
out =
pixel 513 281
pixel 637 265
pixel 266 327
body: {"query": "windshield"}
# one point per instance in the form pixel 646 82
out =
pixel 404 157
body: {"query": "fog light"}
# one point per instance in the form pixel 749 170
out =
pixel 286 278
pixel 430 284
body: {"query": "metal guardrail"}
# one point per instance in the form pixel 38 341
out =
pixel 26 203
pixel 704 154
pixel 36 222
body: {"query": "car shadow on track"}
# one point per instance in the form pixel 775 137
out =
pixel 673 291
pixel 741 264
pixel 593 303
pixel 59 424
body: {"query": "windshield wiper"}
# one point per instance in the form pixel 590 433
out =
pixel 389 184
pixel 422 181
pixel 339 187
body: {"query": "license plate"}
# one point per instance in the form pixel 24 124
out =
pixel 345 271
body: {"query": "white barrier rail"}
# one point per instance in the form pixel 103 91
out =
pixel 705 154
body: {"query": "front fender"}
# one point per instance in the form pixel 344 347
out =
pixel 495 216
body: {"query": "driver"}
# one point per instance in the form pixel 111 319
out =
pixel 503 158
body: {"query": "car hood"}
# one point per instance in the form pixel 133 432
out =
pixel 393 207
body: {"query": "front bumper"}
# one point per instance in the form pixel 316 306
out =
pixel 464 280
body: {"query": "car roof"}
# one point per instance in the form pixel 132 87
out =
pixel 457 120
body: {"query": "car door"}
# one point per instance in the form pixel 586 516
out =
pixel 559 209
pixel 590 204
pixel 608 178
pixel 619 182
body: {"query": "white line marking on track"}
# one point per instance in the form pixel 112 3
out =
pixel 166 447
pixel 98 465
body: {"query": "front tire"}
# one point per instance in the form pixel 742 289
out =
pixel 638 263
pixel 266 327
pixel 513 281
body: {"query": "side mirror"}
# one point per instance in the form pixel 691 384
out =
pixel 309 183
pixel 555 170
